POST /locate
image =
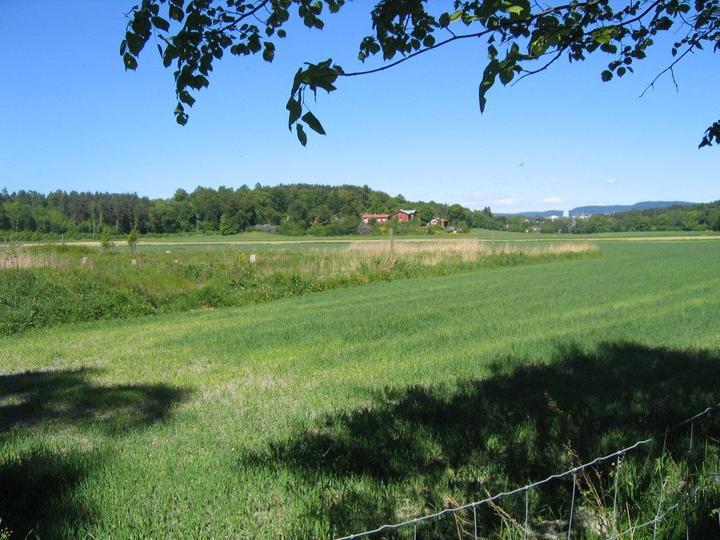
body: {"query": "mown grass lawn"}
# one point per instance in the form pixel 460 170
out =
pixel 338 411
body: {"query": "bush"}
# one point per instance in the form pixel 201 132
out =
pixel 106 243
pixel 132 239
pixel 290 228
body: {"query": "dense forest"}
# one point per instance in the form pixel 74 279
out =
pixel 294 209
pixel 289 209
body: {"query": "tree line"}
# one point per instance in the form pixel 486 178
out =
pixel 290 209
pixel 701 217
pixel 294 209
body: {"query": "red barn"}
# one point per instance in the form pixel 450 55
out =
pixel 403 215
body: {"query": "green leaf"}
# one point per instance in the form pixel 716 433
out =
pixel 130 61
pixel 603 35
pixel 297 81
pixel 518 8
pixel 487 81
pixel 169 55
pixel 538 46
pixel 181 116
pixel 295 109
pixel 506 75
pixel 269 51
pixel 310 119
pixel 134 43
pixel 186 98
pixel 606 75
pixel 160 23
pixel 301 135
pixel 176 13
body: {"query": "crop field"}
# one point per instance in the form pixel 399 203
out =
pixel 331 412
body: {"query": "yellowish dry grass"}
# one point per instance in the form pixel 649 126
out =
pixel 466 250
pixel 386 255
pixel 23 259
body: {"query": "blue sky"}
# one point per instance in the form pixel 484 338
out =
pixel 72 118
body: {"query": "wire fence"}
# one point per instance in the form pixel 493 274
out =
pixel 661 514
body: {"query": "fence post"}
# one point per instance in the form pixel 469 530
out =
pixel 572 507
pixel 657 514
pixel 615 494
pixel 527 507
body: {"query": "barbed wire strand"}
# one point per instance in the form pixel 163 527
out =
pixel 572 471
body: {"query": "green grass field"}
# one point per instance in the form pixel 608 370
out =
pixel 337 411
pixel 42 286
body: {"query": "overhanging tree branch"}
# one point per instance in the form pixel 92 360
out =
pixel 193 35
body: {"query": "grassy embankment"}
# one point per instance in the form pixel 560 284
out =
pixel 46 285
pixel 335 412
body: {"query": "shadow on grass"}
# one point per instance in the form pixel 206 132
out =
pixel 38 481
pixel 482 436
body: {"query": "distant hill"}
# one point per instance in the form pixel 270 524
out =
pixel 606 209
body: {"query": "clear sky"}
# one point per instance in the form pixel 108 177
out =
pixel 71 118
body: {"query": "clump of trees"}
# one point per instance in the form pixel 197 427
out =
pixel 289 209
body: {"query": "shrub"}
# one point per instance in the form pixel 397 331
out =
pixel 106 243
pixel 132 240
pixel 290 228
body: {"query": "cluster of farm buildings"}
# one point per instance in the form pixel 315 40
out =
pixel 403 216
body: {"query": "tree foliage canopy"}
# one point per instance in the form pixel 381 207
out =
pixel 291 209
pixel 522 39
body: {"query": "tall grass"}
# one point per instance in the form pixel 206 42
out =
pixel 432 253
pixel 17 259
pixel 51 285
